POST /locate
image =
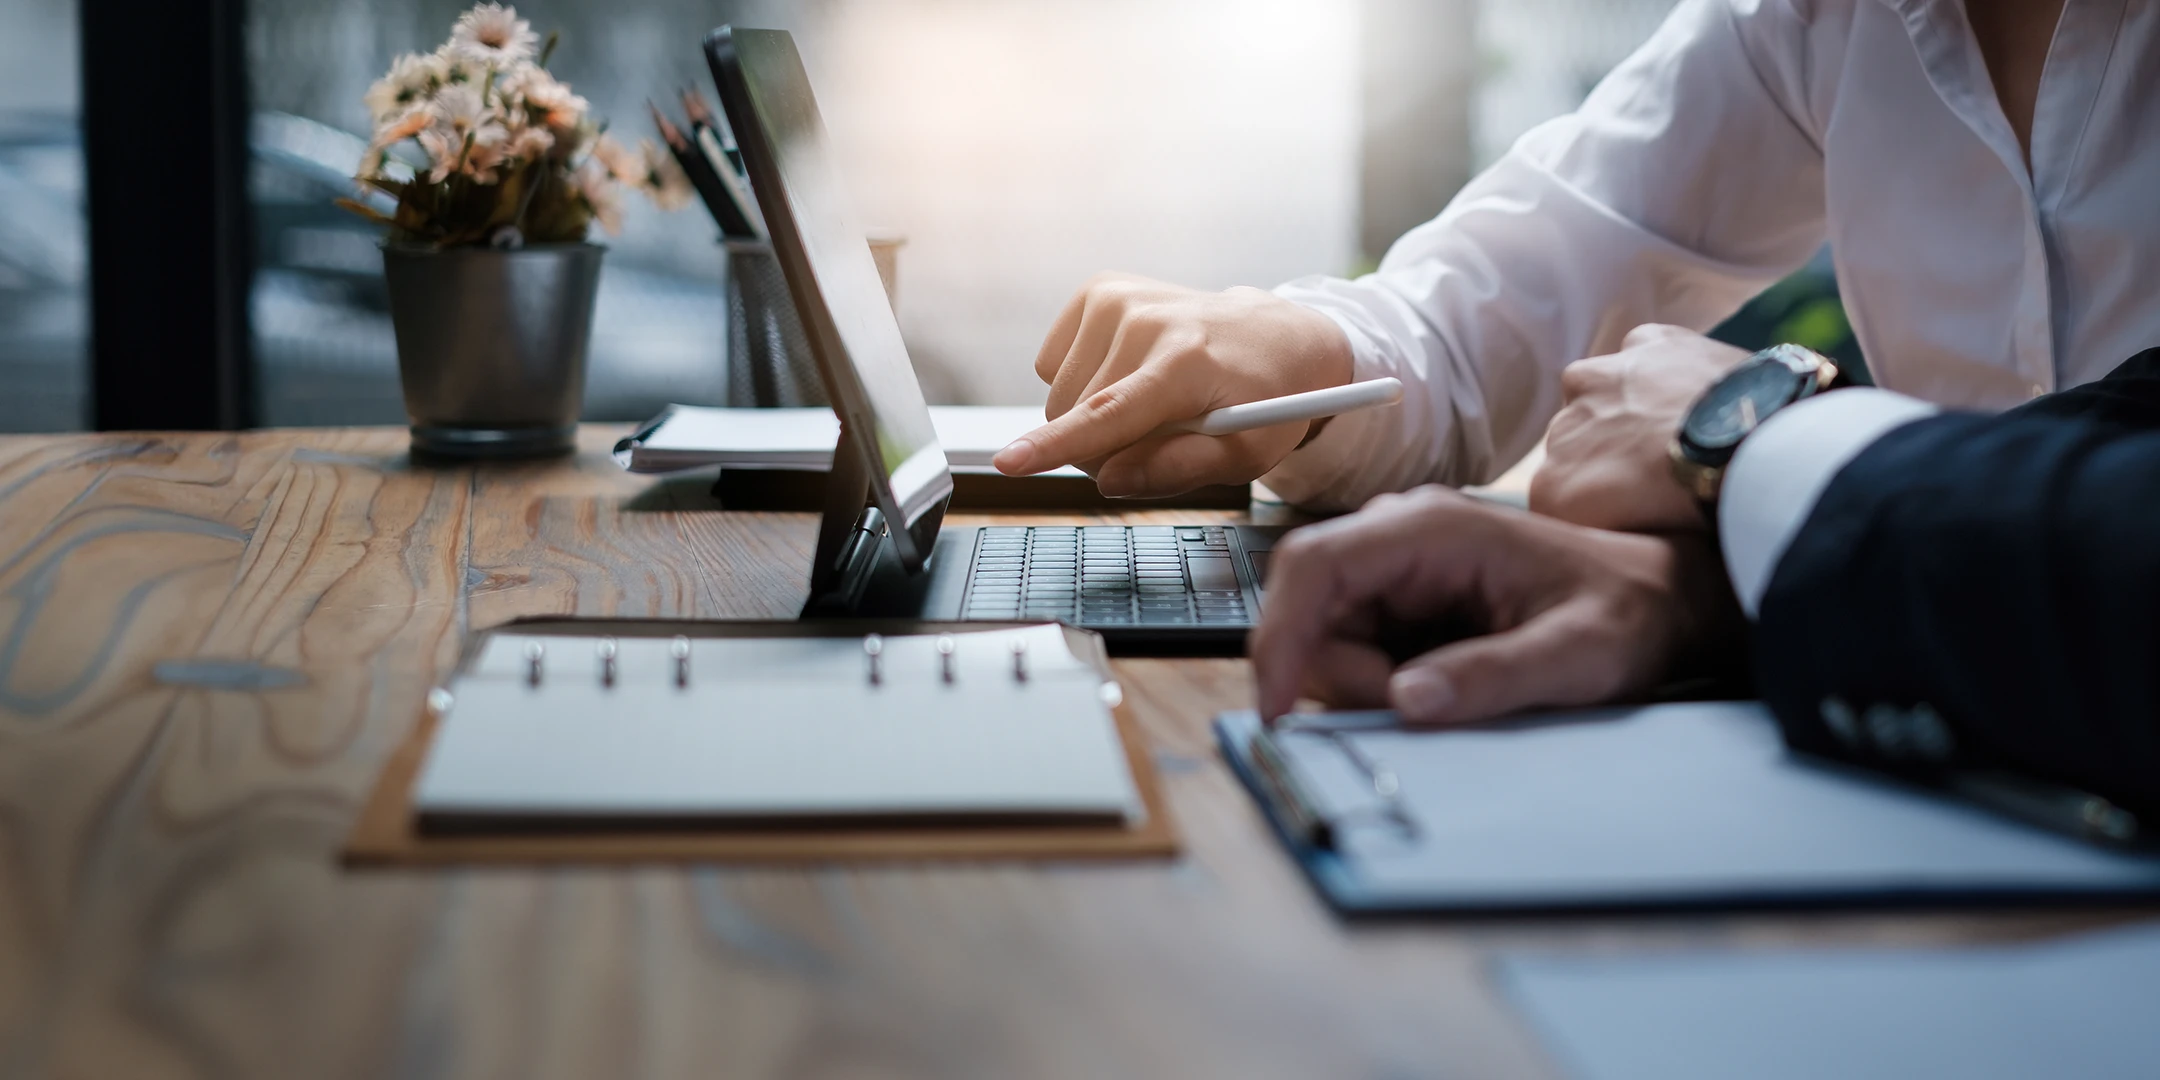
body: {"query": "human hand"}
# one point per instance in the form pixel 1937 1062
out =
pixel 1128 355
pixel 1607 454
pixel 1562 614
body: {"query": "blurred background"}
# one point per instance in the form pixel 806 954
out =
pixel 1018 145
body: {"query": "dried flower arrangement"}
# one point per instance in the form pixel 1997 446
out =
pixel 509 156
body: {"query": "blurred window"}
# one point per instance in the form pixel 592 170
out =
pixel 1017 145
pixel 44 256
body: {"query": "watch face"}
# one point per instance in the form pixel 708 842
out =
pixel 1742 400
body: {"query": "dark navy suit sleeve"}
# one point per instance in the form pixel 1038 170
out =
pixel 1984 592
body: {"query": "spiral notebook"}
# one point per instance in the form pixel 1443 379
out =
pixel 639 739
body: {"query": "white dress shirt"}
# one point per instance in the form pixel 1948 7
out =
pixel 1716 160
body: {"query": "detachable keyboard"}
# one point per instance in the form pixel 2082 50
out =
pixel 1111 575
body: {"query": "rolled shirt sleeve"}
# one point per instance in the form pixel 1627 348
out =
pixel 1686 183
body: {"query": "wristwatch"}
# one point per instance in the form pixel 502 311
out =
pixel 1736 405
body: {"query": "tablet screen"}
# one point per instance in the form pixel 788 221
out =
pixel 866 364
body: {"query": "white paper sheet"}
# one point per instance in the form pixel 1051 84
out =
pixel 690 437
pixel 2080 1007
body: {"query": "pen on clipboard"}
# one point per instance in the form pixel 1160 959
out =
pixel 1296 809
pixel 2060 809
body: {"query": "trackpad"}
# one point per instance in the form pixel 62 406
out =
pixel 1212 574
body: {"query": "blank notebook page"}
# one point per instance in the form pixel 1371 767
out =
pixel 779 728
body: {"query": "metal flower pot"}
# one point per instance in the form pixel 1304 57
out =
pixel 491 346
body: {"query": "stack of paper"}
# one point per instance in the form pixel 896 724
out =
pixel 688 437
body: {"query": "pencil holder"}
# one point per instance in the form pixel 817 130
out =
pixel 768 355
pixel 769 359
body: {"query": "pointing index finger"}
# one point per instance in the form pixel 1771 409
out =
pixel 1103 423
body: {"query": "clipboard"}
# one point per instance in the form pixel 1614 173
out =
pixel 387 833
pixel 1676 806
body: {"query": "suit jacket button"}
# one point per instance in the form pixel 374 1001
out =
pixel 1929 735
pixel 1838 717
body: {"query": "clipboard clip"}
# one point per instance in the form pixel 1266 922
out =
pixel 1293 803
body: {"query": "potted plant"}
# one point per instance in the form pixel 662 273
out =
pixel 497 171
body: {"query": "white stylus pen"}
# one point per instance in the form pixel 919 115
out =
pixel 1311 405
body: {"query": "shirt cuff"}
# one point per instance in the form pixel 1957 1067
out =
pixel 1782 468
pixel 1316 474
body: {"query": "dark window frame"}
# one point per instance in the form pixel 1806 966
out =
pixel 165 158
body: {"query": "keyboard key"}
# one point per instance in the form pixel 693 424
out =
pixel 1212 574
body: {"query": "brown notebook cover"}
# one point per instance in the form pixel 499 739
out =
pixel 386 832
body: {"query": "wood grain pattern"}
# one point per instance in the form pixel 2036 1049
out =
pixel 210 643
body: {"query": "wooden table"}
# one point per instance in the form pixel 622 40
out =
pixel 211 642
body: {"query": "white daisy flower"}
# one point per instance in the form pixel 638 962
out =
pixel 620 161
pixel 664 180
pixel 394 131
pixel 411 78
pixel 463 125
pixel 550 102
pixel 453 68
pixel 597 188
pixel 494 35
pixel 482 159
pixel 529 144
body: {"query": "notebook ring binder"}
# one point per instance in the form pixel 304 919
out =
pixel 607 650
pixel 873 647
pixel 534 653
pixel 945 648
pixel 680 650
pixel 1019 655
